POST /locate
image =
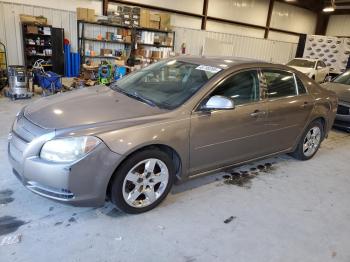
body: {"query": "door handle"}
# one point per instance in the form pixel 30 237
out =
pixel 257 113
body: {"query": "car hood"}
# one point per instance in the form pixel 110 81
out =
pixel 342 91
pixel 87 106
pixel 305 70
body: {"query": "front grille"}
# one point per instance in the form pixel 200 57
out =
pixel 56 193
pixel 24 129
pixel 343 110
pixel 16 147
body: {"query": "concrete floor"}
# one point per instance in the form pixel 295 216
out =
pixel 297 211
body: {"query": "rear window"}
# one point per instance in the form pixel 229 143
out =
pixel 301 63
pixel 279 83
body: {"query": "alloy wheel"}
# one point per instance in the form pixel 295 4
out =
pixel 145 182
pixel 312 141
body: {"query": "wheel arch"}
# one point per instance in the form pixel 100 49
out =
pixel 170 151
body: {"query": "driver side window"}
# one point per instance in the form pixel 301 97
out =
pixel 242 87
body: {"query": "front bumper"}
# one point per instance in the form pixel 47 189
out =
pixel 81 183
pixel 342 119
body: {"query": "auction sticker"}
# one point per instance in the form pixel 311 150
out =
pixel 210 69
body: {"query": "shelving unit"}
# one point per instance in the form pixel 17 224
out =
pixel 37 45
pixel 82 38
pixel 3 66
pixel 106 41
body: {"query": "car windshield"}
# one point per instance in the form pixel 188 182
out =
pixel 301 63
pixel 166 84
pixel 343 78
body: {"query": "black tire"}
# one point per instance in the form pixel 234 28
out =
pixel 299 152
pixel 116 190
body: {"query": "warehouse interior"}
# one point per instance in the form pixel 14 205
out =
pixel 91 90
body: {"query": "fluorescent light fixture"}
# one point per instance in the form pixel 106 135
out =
pixel 328 9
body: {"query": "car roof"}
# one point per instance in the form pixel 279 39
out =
pixel 223 62
pixel 307 59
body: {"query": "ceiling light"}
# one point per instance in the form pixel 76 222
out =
pixel 328 9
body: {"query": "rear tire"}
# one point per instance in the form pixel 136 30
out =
pixel 143 181
pixel 310 141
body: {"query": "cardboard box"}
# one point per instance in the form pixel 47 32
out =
pixel 91 15
pixel 82 14
pixel 144 18
pixel 105 51
pixel 127 39
pixel 165 22
pixel 154 17
pixel 32 29
pixel 156 54
pixel 40 20
pixel 154 24
pixel 154 21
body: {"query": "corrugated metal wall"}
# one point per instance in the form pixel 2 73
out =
pixel 10 29
pixel 10 34
pixel 243 46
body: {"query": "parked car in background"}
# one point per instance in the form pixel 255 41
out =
pixel 341 86
pixel 173 120
pixel 314 68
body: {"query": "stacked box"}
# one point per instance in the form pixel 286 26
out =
pixel 165 22
pixel 144 18
pixel 154 21
pixel 86 14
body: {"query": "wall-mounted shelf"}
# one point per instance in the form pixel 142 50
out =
pixel 156 45
pixel 105 41
pixel 101 57
pixel 82 38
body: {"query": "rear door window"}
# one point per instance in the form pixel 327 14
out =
pixel 279 83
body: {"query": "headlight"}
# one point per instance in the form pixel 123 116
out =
pixel 68 149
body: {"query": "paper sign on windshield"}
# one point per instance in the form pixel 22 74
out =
pixel 210 69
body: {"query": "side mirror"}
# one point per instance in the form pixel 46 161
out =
pixel 319 67
pixel 328 79
pixel 219 102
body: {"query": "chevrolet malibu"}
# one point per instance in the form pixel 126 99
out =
pixel 171 121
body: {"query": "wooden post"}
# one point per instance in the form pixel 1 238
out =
pixel 205 14
pixel 268 20
pixel 104 7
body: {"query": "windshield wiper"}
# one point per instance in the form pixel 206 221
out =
pixel 135 95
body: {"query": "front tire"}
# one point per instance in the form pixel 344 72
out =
pixel 142 181
pixel 309 142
